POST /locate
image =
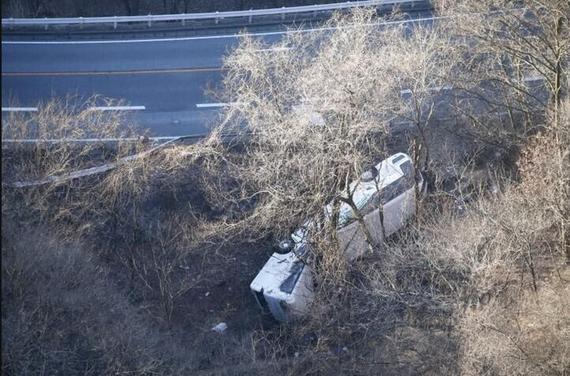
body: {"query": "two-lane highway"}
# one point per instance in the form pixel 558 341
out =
pixel 165 79
pixel 167 76
pixel 170 97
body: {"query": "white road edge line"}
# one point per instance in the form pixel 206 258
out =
pixel 86 140
pixel 118 108
pixel 213 105
pixel 19 109
pixel 533 78
pixel 207 37
pixel 437 88
pixel 276 49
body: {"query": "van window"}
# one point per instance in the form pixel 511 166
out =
pixel 398 158
pixel 408 171
pixel 387 194
pixel 393 190
pixel 294 274
pixel 365 201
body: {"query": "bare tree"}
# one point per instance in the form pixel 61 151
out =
pixel 317 107
pixel 312 116
pixel 512 46
pixel 422 63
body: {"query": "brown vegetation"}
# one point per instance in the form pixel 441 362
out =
pixel 127 270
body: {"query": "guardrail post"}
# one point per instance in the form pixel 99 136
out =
pixel 283 14
pixel 45 23
pixel 81 22
pixel 115 23
pixel 250 15
pixel 149 18
pixel 183 19
pixel 217 19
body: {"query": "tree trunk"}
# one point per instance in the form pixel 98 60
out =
pixel 361 222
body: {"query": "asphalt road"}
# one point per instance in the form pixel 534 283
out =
pixel 169 77
pixel 165 78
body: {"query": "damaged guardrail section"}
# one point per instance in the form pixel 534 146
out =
pixel 58 179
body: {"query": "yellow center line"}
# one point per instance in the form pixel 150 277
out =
pixel 114 73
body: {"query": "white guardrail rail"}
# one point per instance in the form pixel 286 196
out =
pixel 216 16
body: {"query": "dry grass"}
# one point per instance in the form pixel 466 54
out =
pixel 481 290
pixel 524 333
pixel 62 313
pixel 66 122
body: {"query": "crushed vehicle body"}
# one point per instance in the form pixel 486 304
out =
pixel 385 198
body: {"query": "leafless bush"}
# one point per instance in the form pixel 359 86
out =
pixel 317 108
pixel 516 57
pixel 138 219
pixel 61 314
pixel 462 292
pixel 525 335
pixel 126 215
pixel 62 136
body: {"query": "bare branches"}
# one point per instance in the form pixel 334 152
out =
pixel 528 40
pixel 317 108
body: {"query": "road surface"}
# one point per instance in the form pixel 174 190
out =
pixel 165 80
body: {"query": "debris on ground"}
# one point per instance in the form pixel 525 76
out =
pixel 220 328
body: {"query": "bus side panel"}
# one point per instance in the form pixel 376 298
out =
pixel 393 216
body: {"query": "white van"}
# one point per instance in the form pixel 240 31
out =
pixel 284 286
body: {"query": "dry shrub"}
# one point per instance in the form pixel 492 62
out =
pixel 82 206
pixel 139 220
pixel 318 109
pixel 477 290
pixel 137 217
pixel 393 313
pixel 62 137
pixel 132 183
pixel 514 233
pixel 68 136
pixel 526 335
pixel 145 216
pixel 61 314
pixel 523 325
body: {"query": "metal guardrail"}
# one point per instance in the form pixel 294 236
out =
pixel 216 16
pixel 58 179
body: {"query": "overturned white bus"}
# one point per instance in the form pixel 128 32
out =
pixel 385 197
